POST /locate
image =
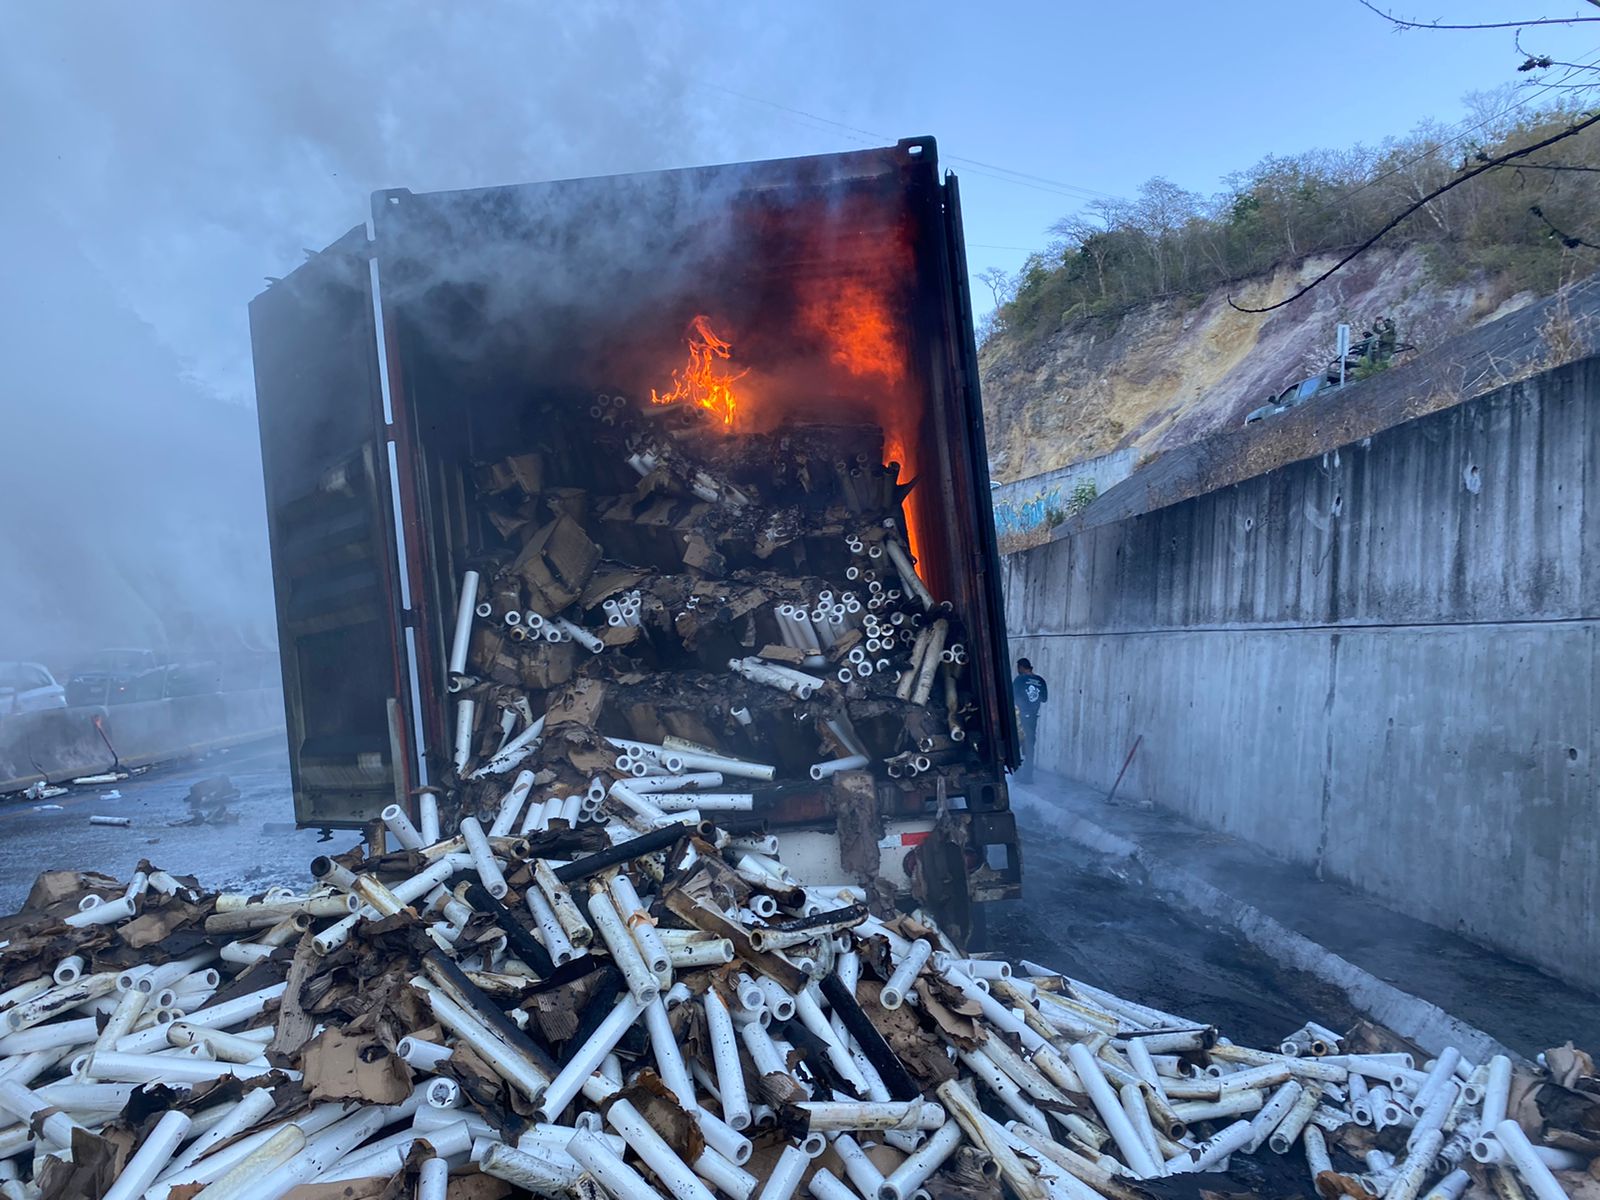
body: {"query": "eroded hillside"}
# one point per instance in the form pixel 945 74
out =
pixel 1172 371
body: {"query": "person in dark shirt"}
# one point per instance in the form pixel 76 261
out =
pixel 1029 691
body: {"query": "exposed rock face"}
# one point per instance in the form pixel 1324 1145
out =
pixel 1176 370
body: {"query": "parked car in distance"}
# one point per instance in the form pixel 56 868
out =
pixel 117 676
pixel 28 687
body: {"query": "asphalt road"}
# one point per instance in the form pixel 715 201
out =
pixel 1091 920
pixel 259 850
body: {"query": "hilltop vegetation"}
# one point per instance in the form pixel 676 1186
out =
pixel 1170 243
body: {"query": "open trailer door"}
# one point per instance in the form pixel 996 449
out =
pixel 327 457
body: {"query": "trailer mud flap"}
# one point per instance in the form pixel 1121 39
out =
pixel 938 871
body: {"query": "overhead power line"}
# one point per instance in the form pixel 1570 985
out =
pixel 991 170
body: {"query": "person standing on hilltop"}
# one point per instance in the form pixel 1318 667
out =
pixel 1029 691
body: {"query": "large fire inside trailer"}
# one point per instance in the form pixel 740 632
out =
pixel 676 467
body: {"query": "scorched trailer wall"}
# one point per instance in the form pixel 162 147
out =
pixel 396 363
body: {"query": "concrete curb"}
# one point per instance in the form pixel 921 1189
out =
pixel 1412 1017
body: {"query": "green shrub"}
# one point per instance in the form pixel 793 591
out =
pixel 1168 242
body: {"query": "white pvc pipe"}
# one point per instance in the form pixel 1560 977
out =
pixel 17 1099
pixel 1272 1112
pixel 1529 1165
pixel 778 1000
pixel 1213 1151
pixel 1451 1187
pixel 420 1054
pixel 1407 1182
pixel 466 714
pixel 162 1068
pixel 995 1012
pixel 242 1114
pixel 724 1175
pixel 1288 1131
pixel 428 817
pixel 400 825
pixel 566 909
pixel 1433 1117
pixel 694 761
pixel 581 635
pixel 385 1158
pixel 725 1058
pixel 463 631
pixel 767 674
pixel 828 1116
pixel 640 925
pixel 583 1064
pixel 695 781
pixel 153 1154
pixel 68 1095
pixel 108 913
pixel 669 1058
pixel 641 979
pixel 225 1047
pixel 483 857
pixel 319 1154
pixel 433 1180
pixel 905 975
pixel 1109 1107
pixel 608 1169
pixel 550 931
pixel 764 1055
pixel 52 1036
pixel 722 1137
pixel 514 751
pixel 987 1070
pixel 511 805
pixel 785 1174
pixel 24 992
pixel 218 1162
pixel 286 1142
pixel 1443 1069
pixel 1138 1114
pixel 634 801
pixel 1316 1146
pixel 1497 1091
pixel 832 766
pixel 862 1172
pixel 656 1154
pixel 510 1065
pixel 677 802
pixel 535 1173
pixel 910 1175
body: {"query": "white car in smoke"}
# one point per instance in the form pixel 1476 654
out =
pixel 28 687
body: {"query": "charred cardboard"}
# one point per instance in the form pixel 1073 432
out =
pixel 556 563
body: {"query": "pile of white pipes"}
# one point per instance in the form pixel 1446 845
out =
pixel 789 1042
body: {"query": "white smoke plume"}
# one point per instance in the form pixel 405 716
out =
pixel 164 158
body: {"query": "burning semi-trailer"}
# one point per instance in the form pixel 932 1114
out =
pixel 649 497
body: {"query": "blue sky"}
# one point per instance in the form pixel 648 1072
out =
pixel 1103 97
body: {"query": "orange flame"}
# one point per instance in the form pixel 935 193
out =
pixel 700 381
pixel 860 331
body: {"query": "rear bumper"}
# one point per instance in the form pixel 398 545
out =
pixel 992 855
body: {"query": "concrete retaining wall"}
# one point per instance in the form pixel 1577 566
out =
pixel 67 743
pixel 1034 505
pixel 1380 663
